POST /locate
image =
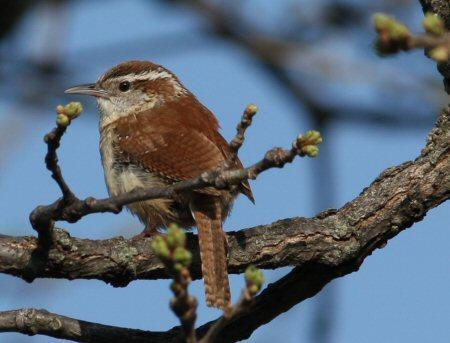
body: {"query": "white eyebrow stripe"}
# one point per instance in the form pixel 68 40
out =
pixel 154 75
pixel 148 75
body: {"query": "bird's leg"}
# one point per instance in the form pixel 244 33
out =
pixel 148 232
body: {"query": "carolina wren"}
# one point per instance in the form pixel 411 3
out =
pixel 155 132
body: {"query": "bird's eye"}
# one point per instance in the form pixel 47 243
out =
pixel 124 86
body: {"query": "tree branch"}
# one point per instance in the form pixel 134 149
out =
pixel 330 245
pixel 33 322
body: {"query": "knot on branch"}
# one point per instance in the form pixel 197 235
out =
pixel 277 157
pixel 30 322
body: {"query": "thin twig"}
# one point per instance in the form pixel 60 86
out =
pixel 184 305
pixel 171 250
pixel 53 140
pixel 217 326
pixel 275 158
pixel 428 41
pixel 43 223
pixel 254 280
pixel 239 138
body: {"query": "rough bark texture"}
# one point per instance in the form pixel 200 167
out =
pixel 332 244
pixel 31 322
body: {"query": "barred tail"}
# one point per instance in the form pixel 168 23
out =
pixel 213 250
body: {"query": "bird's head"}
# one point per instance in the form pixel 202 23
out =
pixel 132 87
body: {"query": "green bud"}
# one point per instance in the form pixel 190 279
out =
pixel 160 248
pixel 254 279
pixel 251 109
pixel 439 54
pixel 62 120
pixel 398 31
pixel 176 237
pixel 178 267
pixel 313 137
pixel 381 21
pixel 311 150
pixel 253 289
pixel 307 144
pixel 73 109
pixel 183 256
pixel 393 28
pixel 433 24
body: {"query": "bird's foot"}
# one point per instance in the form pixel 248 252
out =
pixel 147 233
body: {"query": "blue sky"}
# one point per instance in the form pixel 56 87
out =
pixel 401 291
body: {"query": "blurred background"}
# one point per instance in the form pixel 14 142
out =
pixel 307 64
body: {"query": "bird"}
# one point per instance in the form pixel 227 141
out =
pixel 153 133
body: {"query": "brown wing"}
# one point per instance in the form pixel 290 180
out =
pixel 167 148
pixel 180 140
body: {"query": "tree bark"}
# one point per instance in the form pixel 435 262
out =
pixel 32 322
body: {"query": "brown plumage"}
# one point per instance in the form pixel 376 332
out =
pixel 155 132
pixel 164 143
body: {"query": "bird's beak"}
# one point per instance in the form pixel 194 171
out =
pixel 88 89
